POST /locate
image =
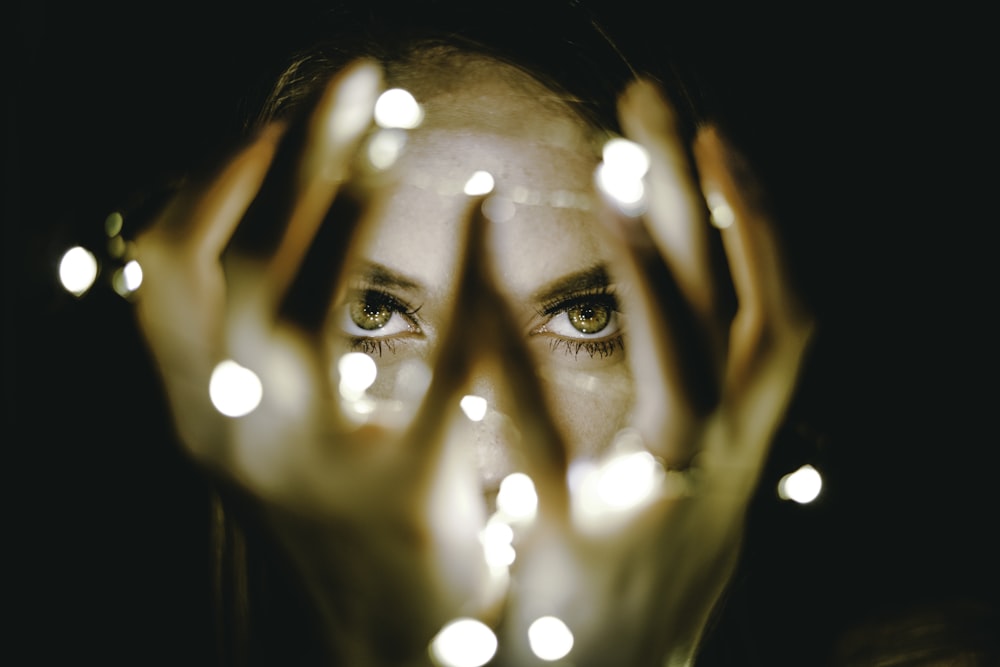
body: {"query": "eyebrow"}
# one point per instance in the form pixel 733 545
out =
pixel 379 275
pixel 594 277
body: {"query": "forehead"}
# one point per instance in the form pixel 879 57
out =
pixel 489 116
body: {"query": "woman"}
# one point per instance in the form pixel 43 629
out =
pixel 465 252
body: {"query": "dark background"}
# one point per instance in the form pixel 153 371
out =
pixel 869 130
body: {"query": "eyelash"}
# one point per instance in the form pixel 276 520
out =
pixel 375 345
pixel 599 348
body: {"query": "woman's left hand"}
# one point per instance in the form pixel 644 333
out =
pixel 635 580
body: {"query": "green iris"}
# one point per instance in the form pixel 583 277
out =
pixel 589 318
pixel 371 313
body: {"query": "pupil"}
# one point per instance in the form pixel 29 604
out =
pixel 590 318
pixel 370 314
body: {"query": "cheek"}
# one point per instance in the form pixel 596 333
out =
pixel 590 406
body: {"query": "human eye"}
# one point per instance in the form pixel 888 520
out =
pixel 584 322
pixel 373 319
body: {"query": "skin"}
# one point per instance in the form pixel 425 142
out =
pixel 382 517
pixel 416 235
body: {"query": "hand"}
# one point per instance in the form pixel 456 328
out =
pixel 366 510
pixel 636 585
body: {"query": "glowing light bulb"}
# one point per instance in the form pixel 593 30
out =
pixel 77 270
pixel 385 148
pixel 497 539
pixel 113 224
pixel 626 157
pixel 463 642
pixel 480 183
pixel 624 190
pixel 128 278
pixel 549 638
pixel 802 486
pixel 357 372
pixel 474 407
pixel 235 390
pixel 397 108
pixel 625 481
pixel 620 174
pixel 517 497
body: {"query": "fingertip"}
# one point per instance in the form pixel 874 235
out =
pixel 644 108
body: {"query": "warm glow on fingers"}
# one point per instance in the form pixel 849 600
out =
pixel 463 642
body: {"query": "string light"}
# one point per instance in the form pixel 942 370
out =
pixel 235 390
pixel 517 498
pixel 802 486
pixel 549 638
pixel 397 108
pixel 77 270
pixel 474 407
pixel 463 642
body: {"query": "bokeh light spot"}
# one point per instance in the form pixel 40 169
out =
pixel 626 157
pixel 625 190
pixel 77 270
pixel 235 390
pixel 385 148
pixel 357 373
pixel 480 183
pixel 722 214
pixel 802 486
pixel 463 642
pixel 397 108
pixel 113 224
pixel 625 481
pixel 474 407
pixel 549 638
pixel 517 497
pixel 497 539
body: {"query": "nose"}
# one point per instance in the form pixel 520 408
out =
pixel 493 435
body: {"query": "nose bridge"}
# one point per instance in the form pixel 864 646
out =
pixel 493 432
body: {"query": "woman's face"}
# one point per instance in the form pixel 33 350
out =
pixel 549 258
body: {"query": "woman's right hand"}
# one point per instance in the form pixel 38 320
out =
pixel 366 510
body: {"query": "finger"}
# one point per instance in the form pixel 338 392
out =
pixel 674 382
pixel 334 131
pixel 676 215
pixel 770 312
pixel 203 217
pixel 772 328
pixel 308 170
pixel 480 307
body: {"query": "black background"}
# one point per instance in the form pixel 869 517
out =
pixel 871 133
